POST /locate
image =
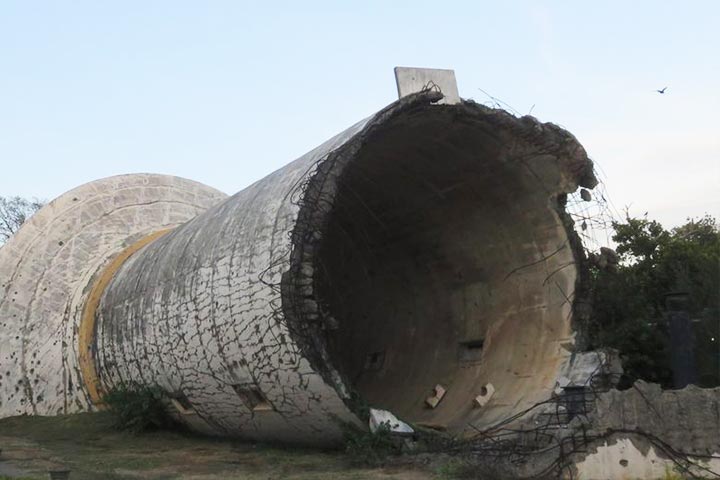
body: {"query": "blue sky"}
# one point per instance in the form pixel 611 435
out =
pixel 225 92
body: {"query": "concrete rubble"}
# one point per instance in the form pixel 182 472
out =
pixel 394 425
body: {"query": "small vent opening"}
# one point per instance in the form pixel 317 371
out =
pixel 470 352
pixel 374 361
pixel 181 403
pixel 253 398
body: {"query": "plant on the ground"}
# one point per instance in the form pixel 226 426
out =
pixel 370 448
pixel 456 469
pixel 136 408
pixel 459 468
pixel 672 474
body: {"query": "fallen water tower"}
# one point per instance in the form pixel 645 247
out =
pixel 420 262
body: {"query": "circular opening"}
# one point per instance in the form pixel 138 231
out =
pixel 445 267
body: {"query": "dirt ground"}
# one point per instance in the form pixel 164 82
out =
pixel 86 445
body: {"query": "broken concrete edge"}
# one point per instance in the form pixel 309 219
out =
pixel 589 369
pixel 644 430
pixel 635 454
pixel 641 432
pixel 582 298
pixel 385 420
pixel 610 451
pixel 623 459
pixel 315 197
pixel 306 322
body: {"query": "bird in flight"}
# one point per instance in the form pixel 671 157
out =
pixel 661 91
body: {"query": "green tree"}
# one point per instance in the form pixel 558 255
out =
pixel 629 300
pixel 14 211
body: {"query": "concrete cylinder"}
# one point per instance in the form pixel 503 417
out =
pixel 420 261
pixel 49 267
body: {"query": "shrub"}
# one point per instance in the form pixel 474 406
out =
pixel 137 408
pixel 370 448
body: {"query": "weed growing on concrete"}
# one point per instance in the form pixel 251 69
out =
pixel 137 408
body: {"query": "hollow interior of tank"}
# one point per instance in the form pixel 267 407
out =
pixel 445 276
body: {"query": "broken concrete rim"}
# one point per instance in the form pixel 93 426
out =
pixel 420 262
pixel 434 266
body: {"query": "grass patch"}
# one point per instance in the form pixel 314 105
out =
pixel 90 446
pixel 462 469
pixel 136 408
pixel 455 469
pixel 368 448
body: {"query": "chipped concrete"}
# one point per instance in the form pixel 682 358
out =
pixel 380 418
pixel 687 419
pixel 646 432
pixel 622 459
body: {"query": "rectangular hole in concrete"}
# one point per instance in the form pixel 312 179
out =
pixel 181 403
pixel 574 401
pixel 374 361
pixel 470 351
pixel 253 398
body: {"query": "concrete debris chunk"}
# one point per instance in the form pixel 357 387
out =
pixel 395 425
pixel 438 394
pixel 581 368
pixel 486 393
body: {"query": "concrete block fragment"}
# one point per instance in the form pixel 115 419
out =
pixel 412 80
pixel 486 393
pixel 380 417
pixel 438 394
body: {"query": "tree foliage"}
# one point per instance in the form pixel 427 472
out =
pixel 629 300
pixel 14 211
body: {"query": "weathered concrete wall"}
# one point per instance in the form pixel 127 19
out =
pixel 595 432
pixel 46 270
pixel 645 432
pixel 624 457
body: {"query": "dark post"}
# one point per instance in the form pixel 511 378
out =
pixel 682 340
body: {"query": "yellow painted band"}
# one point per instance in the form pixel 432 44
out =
pixel 86 334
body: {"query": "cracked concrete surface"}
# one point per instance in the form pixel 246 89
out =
pixel 258 315
pixel 426 245
pixel 46 270
pixel 646 432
